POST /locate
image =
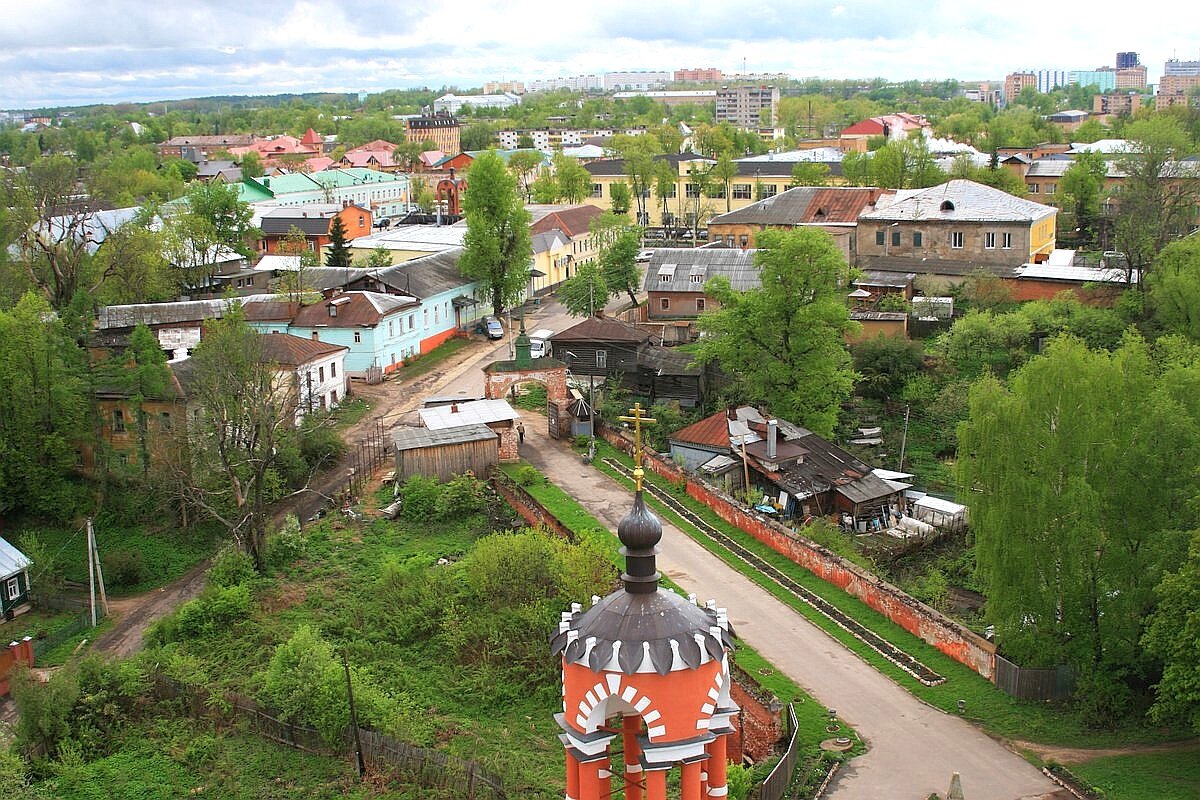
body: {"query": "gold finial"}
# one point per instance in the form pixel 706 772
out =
pixel 637 419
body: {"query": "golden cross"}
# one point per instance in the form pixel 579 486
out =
pixel 637 419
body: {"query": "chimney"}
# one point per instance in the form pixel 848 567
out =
pixel 731 413
pixel 772 438
pixel 316 336
pixel 454 408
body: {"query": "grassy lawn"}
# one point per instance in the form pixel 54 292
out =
pixel 349 412
pixel 427 362
pixel 992 709
pixel 1145 776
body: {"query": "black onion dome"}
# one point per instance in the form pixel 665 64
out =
pixel 640 530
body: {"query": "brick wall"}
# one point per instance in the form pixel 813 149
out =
pixel 759 726
pixel 956 641
pixel 16 653
pixel 527 507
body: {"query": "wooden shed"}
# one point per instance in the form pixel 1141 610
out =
pixel 445 452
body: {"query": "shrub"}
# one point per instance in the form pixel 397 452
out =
pixel 124 568
pixel 320 446
pixel 528 476
pixel 463 495
pixel 213 611
pixel 46 575
pixel 286 545
pixel 739 781
pixel 231 567
pixel 420 496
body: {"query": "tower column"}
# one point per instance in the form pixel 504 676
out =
pixel 717 767
pixel 656 784
pixel 592 786
pixel 631 727
pixel 572 776
pixel 689 781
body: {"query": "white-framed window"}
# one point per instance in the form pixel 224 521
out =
pixel 602 358
pixel 597 190
pixel 332 369
pixel 1034 188
pixel 412 321
pixel 321 374
pixel 1050 188
pixel 696 278
pixel 769 190
pixel 956 240
pixel 12 588
pixel 989 241
pixel 391 327
pixel 741 191
pixel 692 190
pixel 1006 241
pixel 664 277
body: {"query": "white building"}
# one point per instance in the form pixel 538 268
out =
pixel 636 79
pixel 453 103
pixel 314 370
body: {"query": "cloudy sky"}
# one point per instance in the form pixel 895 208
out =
pixel 70 52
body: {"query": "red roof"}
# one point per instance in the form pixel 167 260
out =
pixel 374 146
pixel 292 351
pixel 712 431
pixel 840 205
pixel 574 221
pixel 311 137
pixel 868 127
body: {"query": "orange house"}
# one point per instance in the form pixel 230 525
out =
pixel 315 221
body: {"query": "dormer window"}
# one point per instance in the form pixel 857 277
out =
pixel 947 205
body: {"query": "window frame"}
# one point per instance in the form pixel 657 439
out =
pixel 957 240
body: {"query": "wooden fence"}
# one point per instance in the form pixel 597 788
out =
pixel 775 785
pixel 362 459
pixel 1026 683
pixel 430 769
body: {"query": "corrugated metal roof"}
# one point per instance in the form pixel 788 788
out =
pixel 12 560
pixel 426 276
pixel 806 205
pixel 129 316
pixel 417 438
pixel 961 200
pixel 471 412
pixel 736 265
pixel 602 329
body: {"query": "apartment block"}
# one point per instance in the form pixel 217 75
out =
pixel 742 106
pixel 1016 82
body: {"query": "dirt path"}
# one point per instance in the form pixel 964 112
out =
pixel 1079 755
pixel 134 615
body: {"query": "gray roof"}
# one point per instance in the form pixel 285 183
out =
pixel 961 200
pixel 131 316
pixel 426 276
pixel 456 415
pixel 417 438
pixel 681 263
pixel 938 266
pixel 1057 167
pixel 12 560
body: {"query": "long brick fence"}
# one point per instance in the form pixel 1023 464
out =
pixel 933 627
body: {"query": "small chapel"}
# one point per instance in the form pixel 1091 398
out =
pixel 645 678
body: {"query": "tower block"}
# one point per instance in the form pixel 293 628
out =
pixel 647 667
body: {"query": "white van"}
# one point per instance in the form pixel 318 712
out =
pixel 539 342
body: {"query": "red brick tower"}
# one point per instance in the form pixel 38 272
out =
pixel 650 666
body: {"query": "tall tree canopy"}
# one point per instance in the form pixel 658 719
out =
pixel 785 342
pixel 498 245
pixel 1080 475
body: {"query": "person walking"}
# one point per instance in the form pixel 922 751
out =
pixel 520 433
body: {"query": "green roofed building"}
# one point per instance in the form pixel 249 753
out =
pixel 385 194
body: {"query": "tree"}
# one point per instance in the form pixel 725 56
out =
pixel 524 165
pixel 338 254
pixel 621 198
pixel 810 173
pixel 252 166
pixel 574 181
pixel 1174 287
pixel 296 284
pixel 246 417
pixel 618 264
pixel 1157 199
pixel 639 154
pixel 1077 474
pixel 1083 185
pixel 1171 637
pixel 785 342
pixel 379 257
pixel 722 174
pixel 885 364
pixel 905 164
pixel 476 136
pixel 497 247
pixel 585 291
pixel 143 375
pixel 130 267
pixel 856 168
pixel 218 204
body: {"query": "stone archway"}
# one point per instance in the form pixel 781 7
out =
pixel 501 376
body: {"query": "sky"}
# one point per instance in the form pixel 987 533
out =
pixel 70 52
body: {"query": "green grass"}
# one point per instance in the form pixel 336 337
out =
pixel 1171 775
pixel 427 362
pixel 350 411
pixel 165 554
pixel 986 705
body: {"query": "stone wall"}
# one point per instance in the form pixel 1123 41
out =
pixel 956 641
pixel 528 508
pixel 759 727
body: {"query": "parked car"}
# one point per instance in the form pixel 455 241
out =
pixel 643 256
pixel 493 327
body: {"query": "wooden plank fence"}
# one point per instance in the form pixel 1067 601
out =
pixel 428 768
pixel 1027 683
pixel 775 785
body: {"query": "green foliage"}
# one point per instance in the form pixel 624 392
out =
pixel 230 568
pixel 528 476
pixel 739 778
pixel 46 574
pixel 810 173
pixel 885 364
pixel 497 246
pixel 45 708
pixel 1171 636
pixel 287 544
pixel 211 613
pixel 123 568
pixel 618 266
pixel 460 496
pixel 420 496
pixel 785 341
pixel 338 253
pixel 621 198
pixel 584 291
pixel 1174 287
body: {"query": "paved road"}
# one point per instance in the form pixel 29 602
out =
pixel 914 748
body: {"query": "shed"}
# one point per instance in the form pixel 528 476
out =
pixel 446 452
pixel 940 513
pixel 14 572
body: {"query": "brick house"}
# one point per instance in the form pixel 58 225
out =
pixel 834 210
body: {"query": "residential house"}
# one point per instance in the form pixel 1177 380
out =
pixel 406 242
pixel 378 330
pixel 1093 282
pixel 834 210
pixel 453 104
pixel 119 441
pixel 277 151
pixel 222 171
pixel 198 148
pixel 178 326
pixel 315 221
pixel 14 577
pixel 376 155
pixel 561 241
pixel 954 229
pixel 311 371
pixel 676 276
pixel 496 415
pixel 747 107
pixel 797 473
pixel 1068 121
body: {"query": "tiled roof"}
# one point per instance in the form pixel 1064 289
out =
pixel 292 351
pixel 961 200
pixel 602 329
pixel 680 263
pixel 573 220
pixel 806 205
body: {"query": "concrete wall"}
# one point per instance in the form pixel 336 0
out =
pixel 956 641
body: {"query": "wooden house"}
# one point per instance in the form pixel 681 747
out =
pixel 14 573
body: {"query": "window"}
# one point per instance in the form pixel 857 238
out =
pixel 1050 188
pixel 989 241
pixel 769 190
pixel 879 238
pixel 118 421
pixel 1034 188
pixel 12 588
pixel 917 239
pixel 699 303
pixel 412 321
pixel 391 327
pixel 333 397
pixel 321 374
pixel 437 314
pixel 332 370
pixel 357 337
pixel 602 358
pixel 1006 241
pixel 322 401
pixel 665 304
pixel 664 277
pixel 362 221
pixel 696 278
pixel 895 238
pixel 597 190
pixel 956 239
pixel 692 191
pixel 744 241
pixel 164 420
pixel 332 310
pixel 425 318
pixel 741 191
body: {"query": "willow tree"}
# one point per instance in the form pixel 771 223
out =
pixel 785 341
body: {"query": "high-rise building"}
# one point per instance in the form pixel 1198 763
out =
pixel 635 79
pixel 1014 82
pixel 698 75
pixel 1050 79
pixel 575 83
pixel 1131 77
pixel 1103 78
pixel 1174 66
pixel 742 106
pixel 1127 60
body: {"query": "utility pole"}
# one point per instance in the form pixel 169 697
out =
pixel 904 438
pixel 358 754
pixel 95 573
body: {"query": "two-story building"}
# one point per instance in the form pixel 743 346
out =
pixel 675 279
pixel 315 221
pixel 561 241
pixel 309 370
pixel 378 330
pixel 953 229
pixel 384 194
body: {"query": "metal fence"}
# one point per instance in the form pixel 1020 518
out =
pixel 775 785
pixel 1053 683
pixel 44 644
pixel 431 769
pixel 362 459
